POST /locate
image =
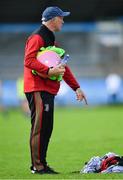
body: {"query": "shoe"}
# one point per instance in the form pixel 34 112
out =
pixel 49 170
pixel 46 170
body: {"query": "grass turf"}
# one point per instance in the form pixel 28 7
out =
pixel 79 134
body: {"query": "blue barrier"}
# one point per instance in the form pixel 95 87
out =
pixel 29 27
pixel 95 90
pixel 9 93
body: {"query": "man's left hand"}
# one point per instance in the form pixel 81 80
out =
pixel 81 96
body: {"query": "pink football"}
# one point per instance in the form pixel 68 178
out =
pixel 49 58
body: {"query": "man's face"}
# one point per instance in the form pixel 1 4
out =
pixel 57 23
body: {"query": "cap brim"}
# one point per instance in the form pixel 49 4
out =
pixel 65 14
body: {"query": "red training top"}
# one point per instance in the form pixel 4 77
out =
pixel 34 82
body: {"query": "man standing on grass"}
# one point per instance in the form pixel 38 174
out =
pixel 40 91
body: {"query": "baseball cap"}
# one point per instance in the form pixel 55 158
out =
pixel 51 12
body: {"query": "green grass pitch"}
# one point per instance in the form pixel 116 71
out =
pixel 79 133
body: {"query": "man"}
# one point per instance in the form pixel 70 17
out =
pixel 40 91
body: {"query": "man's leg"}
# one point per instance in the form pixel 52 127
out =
pixel 47 123
pixel 41 105
pixel 36 108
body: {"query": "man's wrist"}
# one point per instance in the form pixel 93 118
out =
pixel 48 71
pixel 75 89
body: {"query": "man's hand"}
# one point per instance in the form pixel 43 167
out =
pixel 81 96
pixel 56 71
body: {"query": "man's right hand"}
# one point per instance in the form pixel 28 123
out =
pixel 56 71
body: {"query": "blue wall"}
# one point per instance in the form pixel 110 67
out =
pixel 95 90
